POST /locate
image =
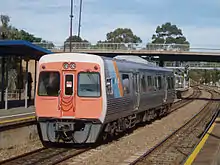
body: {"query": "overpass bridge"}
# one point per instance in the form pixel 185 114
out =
pixel 194 68
pixel 193 65
pixel 161 52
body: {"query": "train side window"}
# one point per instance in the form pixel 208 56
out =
pixel 172 83
pixel 69 84
pixel 143 84
pixel 159 83
pixel 168 82
pixel 126 83
pixel 149 81
pixel 109 86
pixel 155 83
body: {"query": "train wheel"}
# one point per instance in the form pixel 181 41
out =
pixel 47 144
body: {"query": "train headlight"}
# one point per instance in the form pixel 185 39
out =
pixel 72 65
pixel 65 65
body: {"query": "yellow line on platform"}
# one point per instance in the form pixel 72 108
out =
pixel 16 120
pixel 200 145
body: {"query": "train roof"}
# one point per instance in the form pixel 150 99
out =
pixel 126 62
pixel 136 62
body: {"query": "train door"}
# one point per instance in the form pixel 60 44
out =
pixel 67 99
pixel 136 88
pixel 165 88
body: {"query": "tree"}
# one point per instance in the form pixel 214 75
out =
pixel 168 34
pixel 10 32
pixel 77 42
pixel 4 28
pixel 120 36
pixel 75 39
pixel 205 76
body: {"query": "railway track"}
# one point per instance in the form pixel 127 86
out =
pixel 175 148
pixel 51 156
pixel 183 102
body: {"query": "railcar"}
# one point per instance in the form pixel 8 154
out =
pixel 82 97
pixel 179 81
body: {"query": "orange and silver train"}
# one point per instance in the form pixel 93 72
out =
pixel 82 97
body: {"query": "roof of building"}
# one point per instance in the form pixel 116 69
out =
pixel 21 48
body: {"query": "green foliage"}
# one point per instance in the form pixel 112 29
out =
pixel 205 76
pixel 168 34
pixel 10 32
pixel 75 39
pixel 119 36
pixel 122 35
pixel 77 42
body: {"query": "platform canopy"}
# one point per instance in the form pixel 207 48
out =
pixel 21 48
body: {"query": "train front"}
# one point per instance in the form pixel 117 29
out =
pixel 69 98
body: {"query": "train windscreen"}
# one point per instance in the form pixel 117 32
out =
pixel 89 84
pixel 49 83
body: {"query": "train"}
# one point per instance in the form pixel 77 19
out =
pixel 81 97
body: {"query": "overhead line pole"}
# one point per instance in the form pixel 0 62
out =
pixel 80 17
pixel 71 24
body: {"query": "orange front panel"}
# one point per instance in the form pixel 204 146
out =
pixel 47 107
pixel 69 106
pixel 88 108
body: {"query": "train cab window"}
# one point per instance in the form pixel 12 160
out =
pixel 89 84
pixel 143 84
pixel 126 84
pixel 159 83
pixel 109 88
pixel 49 84
pixel 69 84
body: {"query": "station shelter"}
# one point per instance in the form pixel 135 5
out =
pixel 18 61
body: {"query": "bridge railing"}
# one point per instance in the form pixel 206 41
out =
pixel 78 46
pixel 116 46
pixel 193 64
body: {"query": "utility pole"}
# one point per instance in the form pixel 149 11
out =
pixel 80 16
pixel 71 24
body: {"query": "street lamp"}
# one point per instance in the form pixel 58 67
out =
pixel 80 16
pixel 71 23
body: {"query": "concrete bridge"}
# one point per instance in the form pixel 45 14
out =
pixel 165 52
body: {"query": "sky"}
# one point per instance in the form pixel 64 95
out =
pixel 49 19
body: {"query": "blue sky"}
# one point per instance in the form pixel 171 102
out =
pixel 49 19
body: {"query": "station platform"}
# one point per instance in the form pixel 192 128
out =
pixel 16 113
pixel 207 152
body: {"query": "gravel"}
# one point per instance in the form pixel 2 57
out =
pixel 18 150
pixel 141 139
